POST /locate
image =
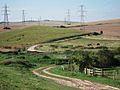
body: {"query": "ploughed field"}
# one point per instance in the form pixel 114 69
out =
pixel 112 29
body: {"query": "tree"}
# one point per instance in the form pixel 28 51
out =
pixel 106 58
pixel 82 59
pixel 94 59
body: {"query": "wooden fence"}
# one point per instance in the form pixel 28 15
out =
pixel 102 72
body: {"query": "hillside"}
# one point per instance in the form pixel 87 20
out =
pixel 33 35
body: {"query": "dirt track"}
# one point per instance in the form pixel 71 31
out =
pixel 71 82
pixel 67 81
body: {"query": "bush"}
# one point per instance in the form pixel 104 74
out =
pixel 21 57
pixel 88 59
pixel 22 64
pixel 106 58
pixel 96 33
pixel 101 32
pixel 64 47
pixel 6 28
pixel 82 59
pixel 62 26
pixel 102 47
pixel 54 46
pixel 46 57
pixel 117 57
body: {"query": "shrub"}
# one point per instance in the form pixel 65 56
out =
pixel 62 26
pixel 6 28
pixel 101 32
pixel 106 58
pixel 46 57
pixel 101 47
pixel 54 46
pixel 82 59
pixel 96 33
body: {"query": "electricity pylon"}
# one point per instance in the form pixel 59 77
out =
pixel 68 17
pixel 39 20
pixel 6 21
pixel 82 16
pixel 23 16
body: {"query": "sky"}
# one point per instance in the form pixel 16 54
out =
pixel 95 10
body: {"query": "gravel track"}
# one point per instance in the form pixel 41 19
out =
pixel 71 82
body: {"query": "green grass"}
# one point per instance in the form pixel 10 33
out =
pixel 33 35
pixel 59 71
pixel 13 79
pixel 18 76
pixel 38 34
pixel 78 44
pixel 85 42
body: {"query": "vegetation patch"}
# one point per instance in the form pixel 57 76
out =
pixel 15 73
pixel 79 75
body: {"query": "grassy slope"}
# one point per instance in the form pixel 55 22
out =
pixel 33 35
pixel 13 79
pixel 82 42
pixel 82 76
pixel 17 77
pixel 86 41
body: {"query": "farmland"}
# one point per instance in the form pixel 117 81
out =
pixel 59 45
pixel 33 35
pixel 78 44
pixel 56 46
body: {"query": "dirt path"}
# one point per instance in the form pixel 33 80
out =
pixel 72 82
pixel 32 49
pixel 67 81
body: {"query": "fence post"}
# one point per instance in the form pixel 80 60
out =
pixel 113 74
pixel 85 70
pixel 102 73
pixel 93 71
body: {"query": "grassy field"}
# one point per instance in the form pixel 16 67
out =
pixel 93 42
pixel 18 76
pixel 38 34
pixel 15 69
pixel 78 44
pixel 59 71
pixel 33 35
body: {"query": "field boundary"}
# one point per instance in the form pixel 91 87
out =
pixel 68 37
